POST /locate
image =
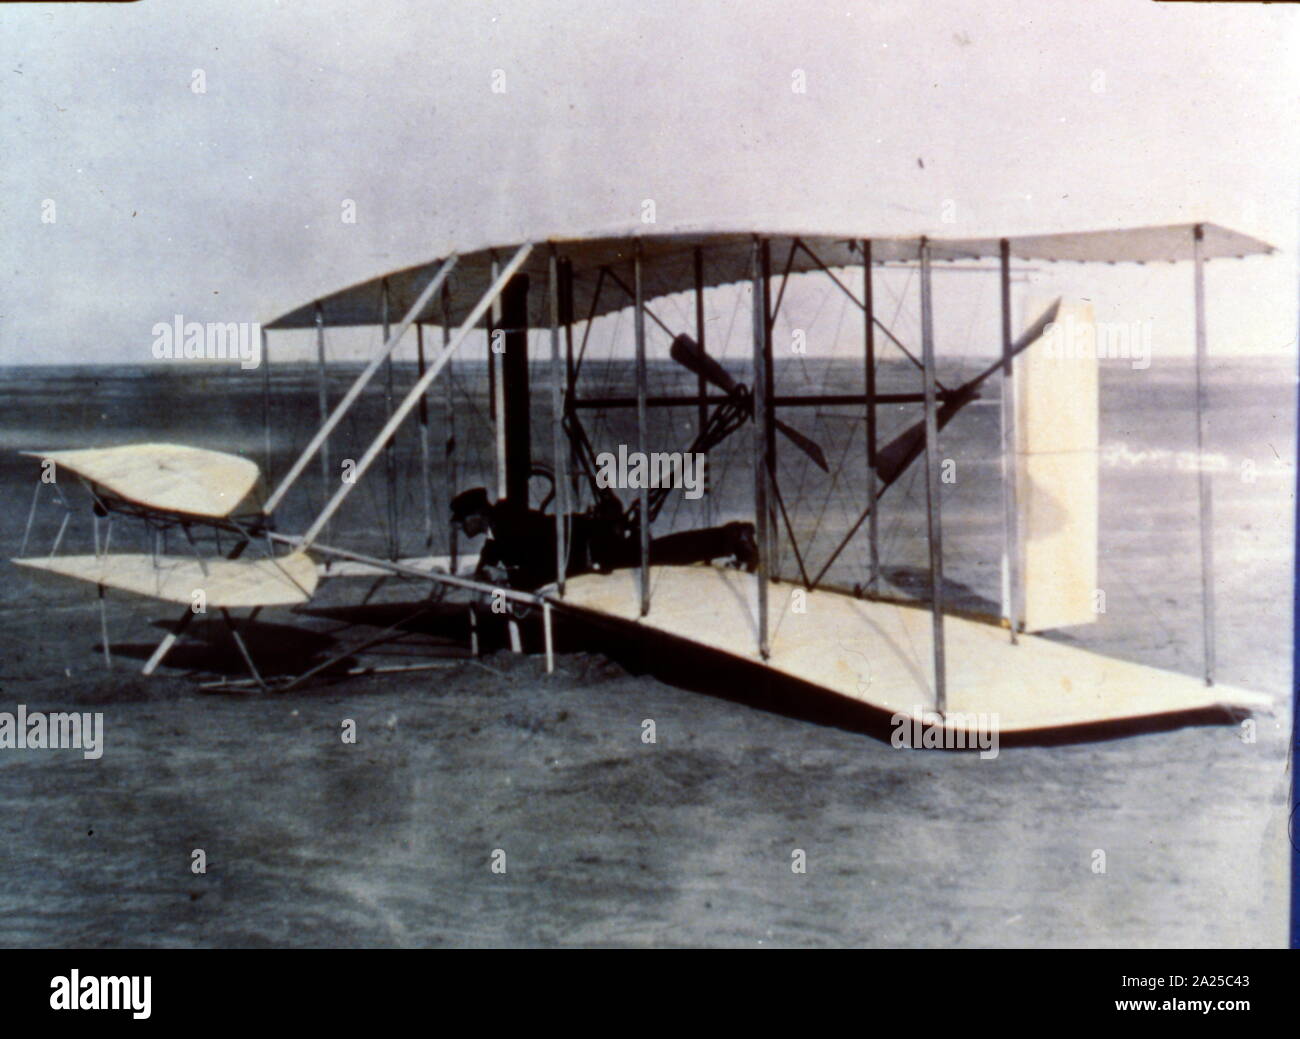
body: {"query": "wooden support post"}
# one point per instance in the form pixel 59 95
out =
pixel 496 389
pixel 643 495
pixel 243 650
pixel 449 429
pixel 932 462
pixel 490 321
pixel 426 457
pixel 1010 501
pixel 266 407
pixel 873 492
pixel 169 640
pixel 103 629
pixel 31 517
pixel 559 446
pixel 514 384
pixel 546 633
pixel 701 383
pixel 323 405
pixel 390 458
pixel 574 467
pixel 761 421
pixel 1205 496
pixel 63 526
pixel 769 403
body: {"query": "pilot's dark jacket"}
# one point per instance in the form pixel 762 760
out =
pixel 523 542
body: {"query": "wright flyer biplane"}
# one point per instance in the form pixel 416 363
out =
pixel 780 562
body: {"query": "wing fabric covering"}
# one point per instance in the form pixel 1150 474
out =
pixel 225 583
pixel 167 477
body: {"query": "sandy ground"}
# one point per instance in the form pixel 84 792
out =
pixel 607 840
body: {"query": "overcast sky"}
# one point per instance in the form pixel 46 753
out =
pixel 225 204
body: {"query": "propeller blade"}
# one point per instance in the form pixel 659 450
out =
pixel 808 447
pixel 1030 336
pixel 903 450
pixel 1034 331
pixel 686 352
pixel 895 456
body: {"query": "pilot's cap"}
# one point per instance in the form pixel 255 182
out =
pixel 473 502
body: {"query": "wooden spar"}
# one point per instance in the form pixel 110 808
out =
pixel 243 649
pixel 169 640
pixel 761 416
pixel 546 635
pixel 809 400
pixel 570 378
pixel 358 384
pixel 266 408
pixel 406 570
pixel 702 384
pixel 489 325
pixel 559 447
pixel 449 426
pixel 390 459
pixel 420 386
pixel 31 517
pixel 323 402
pixel 497 408
pixel 426 474
pixel 566 319
pixel 1010 508
pixel 516 392
pixel 1205 498
pixel 869 336
pixel 643 495
pixel 934 518
pixel 496 391
pixel 769 402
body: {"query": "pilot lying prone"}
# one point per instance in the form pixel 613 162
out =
pixel 520 549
